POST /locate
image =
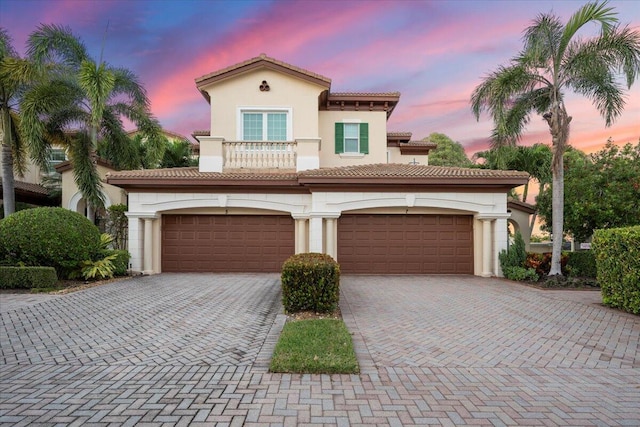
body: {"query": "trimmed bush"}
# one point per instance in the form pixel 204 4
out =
pixel 617 253
pixel 310 282
pixel 520 274
pixel 27 277
pixel 52 237
pixel 581 264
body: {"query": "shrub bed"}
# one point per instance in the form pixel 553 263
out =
pixel 541 263
pixel 51 237
pixel 581 264
pixel 617 253
pixel 310 282
pixel 27 277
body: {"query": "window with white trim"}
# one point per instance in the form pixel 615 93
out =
pixel 264 125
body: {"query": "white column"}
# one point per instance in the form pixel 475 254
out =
pixel 134 243
pixel 500 242
pixel 301 235
pixel 148 246
pixel 331 237
pixel 487 240
pixel 315 234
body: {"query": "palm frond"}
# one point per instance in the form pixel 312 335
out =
pixel 518 114
pixel 590 66
pixel 127 83
pixel 590 12
pixel 97 83
pixel 39 102
pixel 541 40
pixel 56 43
pixel 18 147
pixel 6 45
pixel 85 172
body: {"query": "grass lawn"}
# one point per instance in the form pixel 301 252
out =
pixel 315 346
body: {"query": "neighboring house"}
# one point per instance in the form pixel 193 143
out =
pixel 72 198
pixel 29 188
pixel 287 166
pixel 522 220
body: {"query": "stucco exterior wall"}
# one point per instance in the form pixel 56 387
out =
pixel 72 198
pixel 315 216
pixel 377 121
pixel 396 157
pixel 228 96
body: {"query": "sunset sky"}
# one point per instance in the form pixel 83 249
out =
pixel 433 52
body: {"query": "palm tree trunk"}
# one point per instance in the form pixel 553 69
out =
pixel 8 183
pixel 558 121
pixel 557 206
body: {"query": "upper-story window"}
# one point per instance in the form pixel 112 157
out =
pixel 56 156
pixel 271 125
pixel 352 138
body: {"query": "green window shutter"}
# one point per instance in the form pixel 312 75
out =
pixel 339 138
pixel 364 138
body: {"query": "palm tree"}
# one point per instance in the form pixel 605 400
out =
pixel 14 74
pixel 535 159
pixel 178 154
pixel 84 101
pixel 554 60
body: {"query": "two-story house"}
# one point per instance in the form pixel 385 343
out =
pixel 288 166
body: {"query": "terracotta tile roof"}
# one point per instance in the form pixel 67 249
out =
pixel 517 204
pixel 365 94
pixel 262 58
pixel 381 173
pixel 202 132
pixel 399 134
pixel 172 134
pixel 192 173
pixel 422 144
pixel 30 187
pixel 383 170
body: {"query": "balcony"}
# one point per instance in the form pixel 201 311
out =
pixel 259 155
pixel 217 155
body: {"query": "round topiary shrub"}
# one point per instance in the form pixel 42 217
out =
pixel 52 237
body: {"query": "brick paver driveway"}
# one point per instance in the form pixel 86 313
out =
pixel 193 349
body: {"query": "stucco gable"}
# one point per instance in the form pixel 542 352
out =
pixel 260 62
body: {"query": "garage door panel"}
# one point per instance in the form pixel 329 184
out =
pixel 392 244
pixel 226 243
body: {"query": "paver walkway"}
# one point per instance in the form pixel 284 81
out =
pixel 193 350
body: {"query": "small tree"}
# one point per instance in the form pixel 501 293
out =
pixel 512 261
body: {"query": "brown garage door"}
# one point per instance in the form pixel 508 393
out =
pixel 226 243
pixel 406 244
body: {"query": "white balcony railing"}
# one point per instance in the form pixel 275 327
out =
pixel 259 154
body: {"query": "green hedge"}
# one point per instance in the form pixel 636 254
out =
pixel 121 263
pixel 27 277
pixel 581 264
pixel 310 282
pixel 617 252
pixel 49 237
